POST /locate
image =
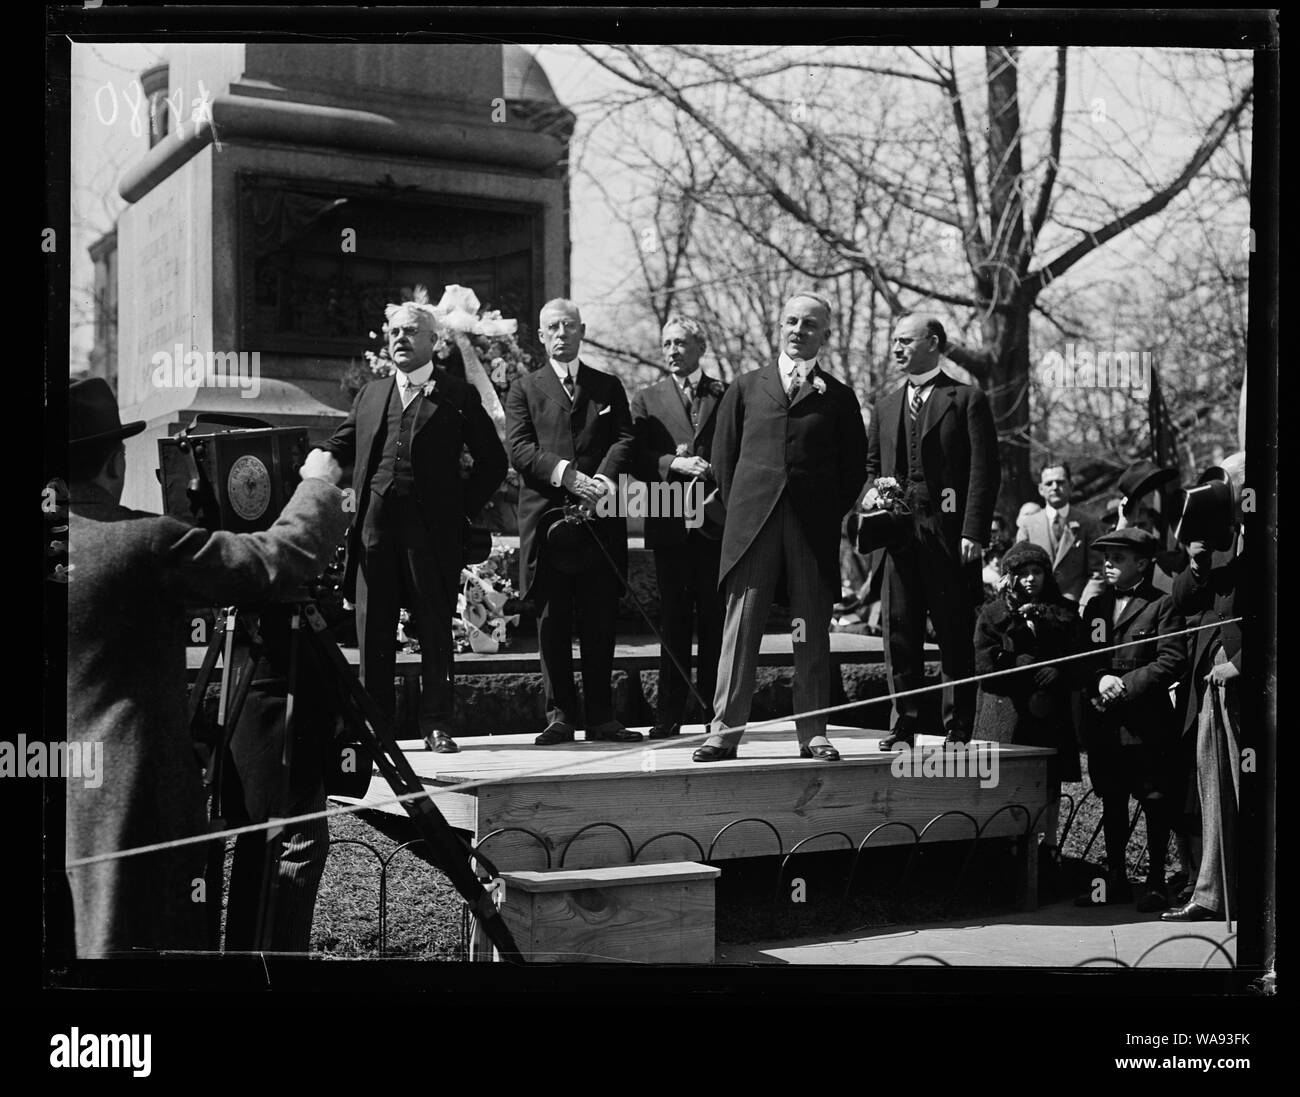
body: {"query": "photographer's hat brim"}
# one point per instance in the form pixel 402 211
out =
pixel 126 430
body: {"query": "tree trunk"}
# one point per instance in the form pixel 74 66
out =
pixel 1009 398
pixel 1006 329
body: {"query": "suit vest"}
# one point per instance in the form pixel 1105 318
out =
pixel 394 475
pixel 909 440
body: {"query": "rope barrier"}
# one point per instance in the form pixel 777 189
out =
pixel 604 757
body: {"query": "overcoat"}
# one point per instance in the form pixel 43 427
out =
pixel 134 584
pixel 449 418
pixel 543 428
pixel 662 426
pixel 814 447
pixel 1132 742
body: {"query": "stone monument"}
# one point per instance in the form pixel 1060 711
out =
pixel 296 188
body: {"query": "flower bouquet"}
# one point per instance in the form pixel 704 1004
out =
pixel 887 521
pixel 485 606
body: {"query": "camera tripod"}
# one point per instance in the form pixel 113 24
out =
pixel 237 641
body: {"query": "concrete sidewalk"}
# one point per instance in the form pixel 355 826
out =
pixel 1061 935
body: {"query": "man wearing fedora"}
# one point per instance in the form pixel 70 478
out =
pixel 1212 589
pixel 133 582
pixel 674 421
pixel 569 431
pixel 1066 534
pixel 1142 488
pixel 937 438
pixel 1131 727
pixel 404 437
pixel 789 453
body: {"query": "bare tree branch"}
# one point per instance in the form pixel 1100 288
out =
pixel 1039 216
pixel 1093 240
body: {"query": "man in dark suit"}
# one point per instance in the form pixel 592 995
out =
pixel 937 439
pixel 1066 534
pixel 788 453
pixel 1212 590
pixel 404 436
pixel 674 422
pixel 133 584
pixel 1131 727
pixel 570 436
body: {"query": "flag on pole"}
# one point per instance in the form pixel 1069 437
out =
pixel 1164 435
pixel 1164 452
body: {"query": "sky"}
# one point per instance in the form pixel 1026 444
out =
pixel 108 135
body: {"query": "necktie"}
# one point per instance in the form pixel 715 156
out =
pixel 406 389
pixel 688 398
pixel 796 379
pixel 568 386
pixel 1058 528
pixel 914 401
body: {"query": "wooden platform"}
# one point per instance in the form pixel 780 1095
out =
pixel 653 788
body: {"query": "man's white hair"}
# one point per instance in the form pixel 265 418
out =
pixel 559 304
pixel 424 313
pixel 830 311
pixel 692 327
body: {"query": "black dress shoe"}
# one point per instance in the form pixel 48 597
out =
pixel 899 737
pixel 611 731
pixel 957 736
pixel 664 731
pixel 707 753
pixel 1192 912
pixel 555 733
pixel 441 743
pixel 823 753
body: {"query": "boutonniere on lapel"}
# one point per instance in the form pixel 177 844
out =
pixel 819 385
pixel 713 387
pixel 429 387
pixel 683 450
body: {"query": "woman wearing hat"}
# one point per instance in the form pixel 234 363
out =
pixel 1026 622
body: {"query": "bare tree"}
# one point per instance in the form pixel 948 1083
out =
pixel 884 177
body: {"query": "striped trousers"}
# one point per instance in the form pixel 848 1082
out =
pixel 750 587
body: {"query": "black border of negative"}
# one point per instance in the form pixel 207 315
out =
pixel 965 992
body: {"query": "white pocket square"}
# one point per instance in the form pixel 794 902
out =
pixel 604 410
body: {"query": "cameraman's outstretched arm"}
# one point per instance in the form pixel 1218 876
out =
pixel 206 567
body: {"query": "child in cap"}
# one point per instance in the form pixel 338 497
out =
pixel 1131 725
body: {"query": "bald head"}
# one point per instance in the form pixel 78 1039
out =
pixel 919 342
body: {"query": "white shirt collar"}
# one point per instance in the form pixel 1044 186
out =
pixel 1052 512
pixel 417 378
pixel 922 379
pixel 565 368
pixel 693 379
pixel 787 364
